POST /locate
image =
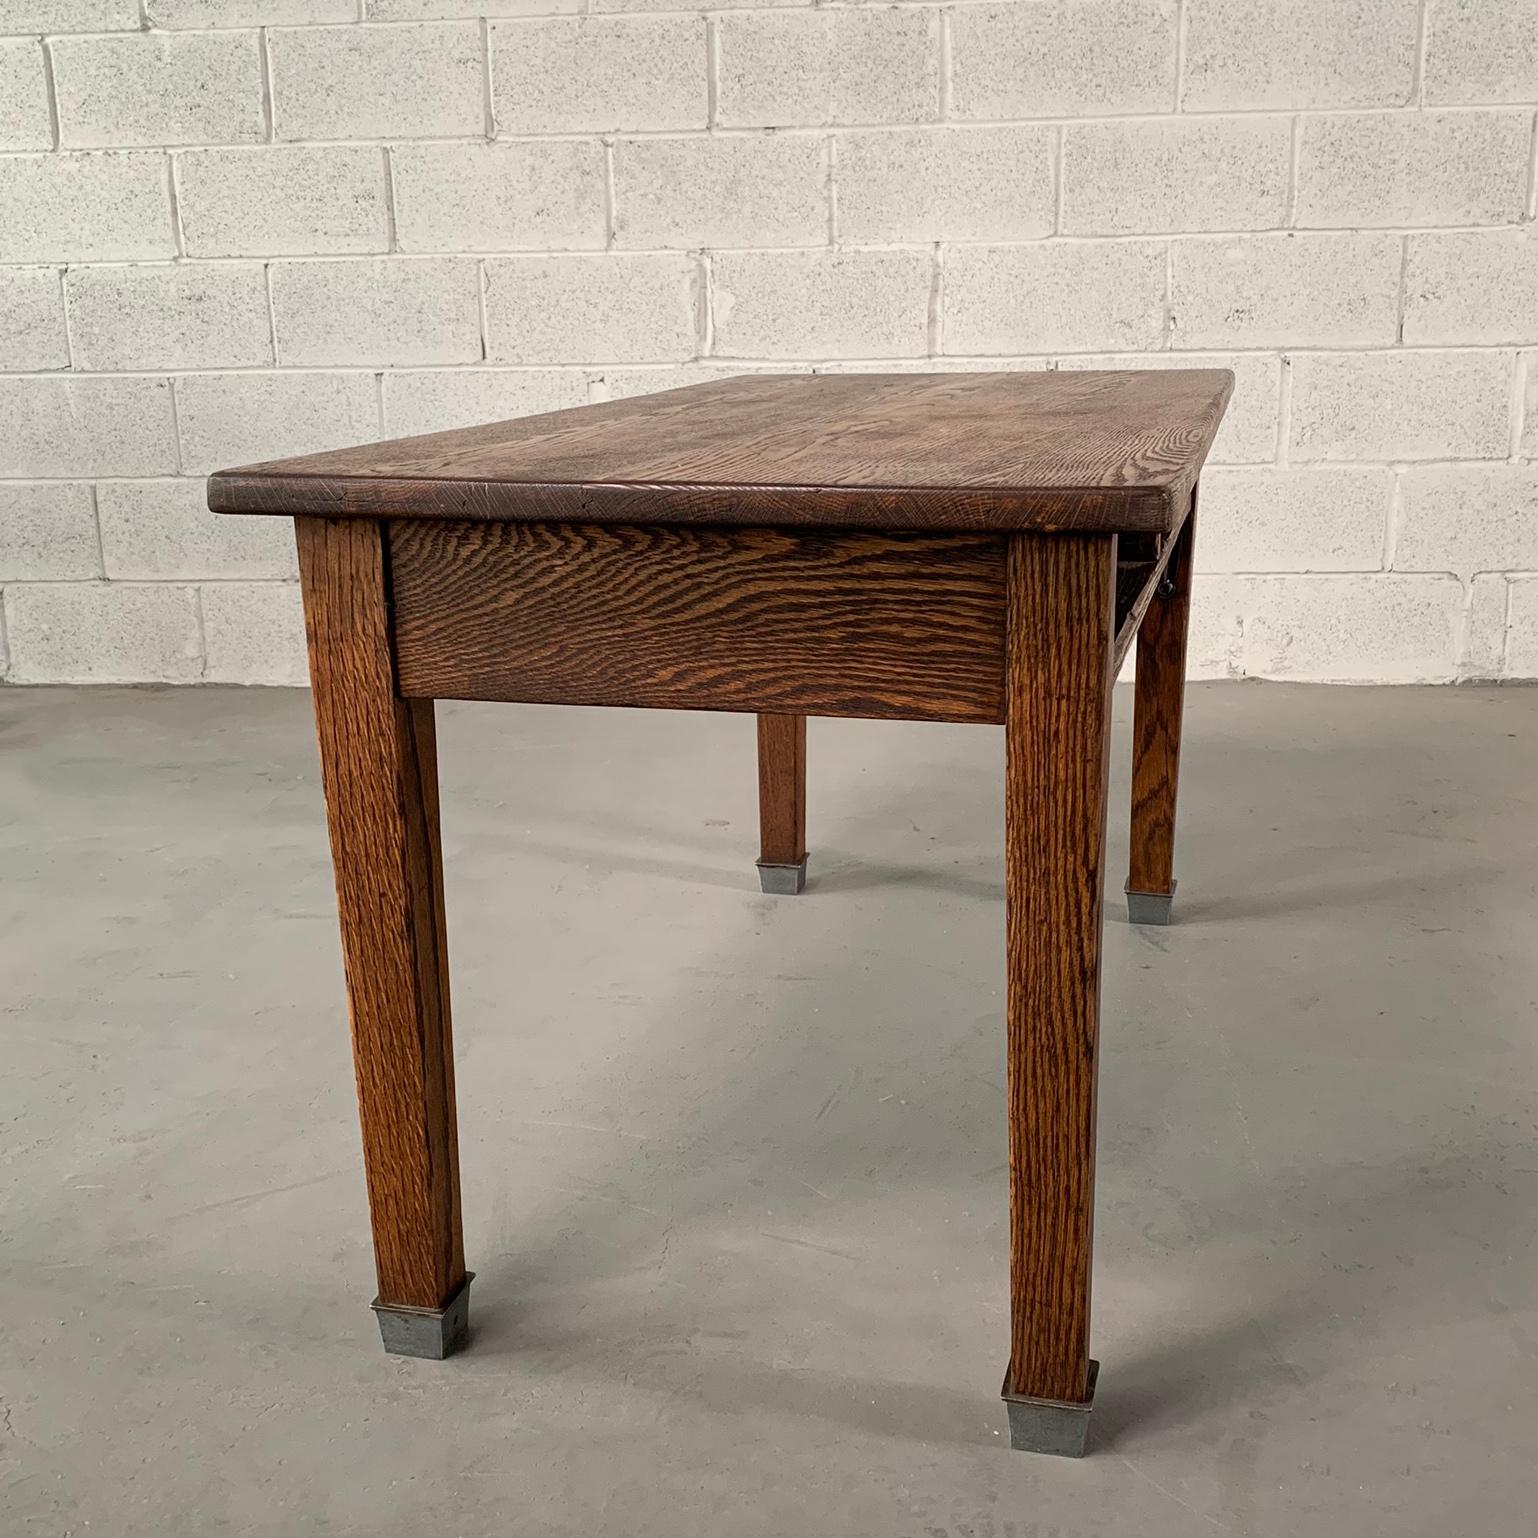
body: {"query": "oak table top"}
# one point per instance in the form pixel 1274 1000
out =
pixel 1001 453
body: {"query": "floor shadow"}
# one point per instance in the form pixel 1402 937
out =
pixel 835 870
pixel 750 1389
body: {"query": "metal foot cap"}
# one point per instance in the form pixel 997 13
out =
pixel 782 880
pixel 433 1333
pixel 1055 1426
pixel 1149 907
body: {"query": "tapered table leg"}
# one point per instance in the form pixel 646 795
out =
pixel 379 768
pixel 1160 699
pixel 782 803
pixel 1057 721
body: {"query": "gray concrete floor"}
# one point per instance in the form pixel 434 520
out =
pixel 734 1166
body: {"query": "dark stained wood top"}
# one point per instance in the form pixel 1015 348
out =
pixel 994 452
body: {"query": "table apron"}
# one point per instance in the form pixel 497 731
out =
pixel 777 620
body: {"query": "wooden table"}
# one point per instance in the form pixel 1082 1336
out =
pixel 933 547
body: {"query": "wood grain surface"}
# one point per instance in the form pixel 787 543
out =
pixel 781 790
pixel 781 622
pixel 1159 703
pixel 994 452
pixel 379 770
pixel 1061 609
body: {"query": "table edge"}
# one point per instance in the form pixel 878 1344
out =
pixel 1148 507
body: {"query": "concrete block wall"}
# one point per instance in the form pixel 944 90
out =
pixel 239 229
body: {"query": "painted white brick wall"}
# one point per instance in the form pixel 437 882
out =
pixel 239 229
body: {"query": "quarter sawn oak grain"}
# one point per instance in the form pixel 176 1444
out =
pixel 993 452
pixel 778 621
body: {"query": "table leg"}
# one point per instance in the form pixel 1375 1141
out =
pixel 379 767
pixel 1060 649
pixel 782 803
pixel 1160 696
